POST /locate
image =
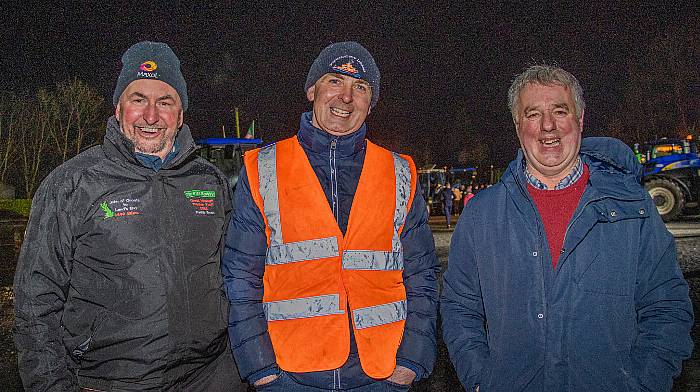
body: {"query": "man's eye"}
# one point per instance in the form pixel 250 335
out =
pixel 361 87
pixel 334 81
pixel 164 103
pixel 560 113
pixel 138 100
pixel 532 115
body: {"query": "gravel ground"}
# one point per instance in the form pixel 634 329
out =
pixel 443 377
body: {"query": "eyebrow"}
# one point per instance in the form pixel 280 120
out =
pixel 555 106
pixel 137 94
pixel 162 98
pixel 166 97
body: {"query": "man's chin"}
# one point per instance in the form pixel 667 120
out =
pixel 150 150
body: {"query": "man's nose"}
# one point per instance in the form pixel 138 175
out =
pixel 548 122
pixel 151 113
pixel 346 93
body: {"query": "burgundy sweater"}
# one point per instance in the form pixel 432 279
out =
pixel 556 209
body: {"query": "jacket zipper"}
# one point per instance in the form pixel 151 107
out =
pixel 335 206
pixel 334 179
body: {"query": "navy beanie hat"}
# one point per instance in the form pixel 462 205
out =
pixel 347 58
pixel 151 60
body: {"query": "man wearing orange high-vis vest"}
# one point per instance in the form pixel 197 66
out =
pixel 330 266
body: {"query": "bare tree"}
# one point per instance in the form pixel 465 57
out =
pixel 74 118
pixel 658 98
pixel 11 109
pixel 33 136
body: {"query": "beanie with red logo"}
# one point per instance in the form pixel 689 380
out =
pixel 151 60
pixel 346 58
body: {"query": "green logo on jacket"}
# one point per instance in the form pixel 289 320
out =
pixel 108 212
pixel 199 193
pixel 202 201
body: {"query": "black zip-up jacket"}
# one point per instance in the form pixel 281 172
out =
pixel 117 284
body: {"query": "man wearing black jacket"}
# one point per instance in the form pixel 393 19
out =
pixel 117 284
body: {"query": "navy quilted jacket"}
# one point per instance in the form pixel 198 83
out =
pixel 614 315
pixel 244 262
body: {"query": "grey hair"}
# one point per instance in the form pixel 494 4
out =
pixel 546 75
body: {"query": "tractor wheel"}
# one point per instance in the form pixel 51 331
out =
pixel 668 198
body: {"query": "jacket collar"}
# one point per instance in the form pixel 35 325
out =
pixel 319 141
pixel 614 171
pixel 118 147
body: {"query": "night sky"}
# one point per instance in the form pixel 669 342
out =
pixel 446 66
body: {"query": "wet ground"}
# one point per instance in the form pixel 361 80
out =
pixel 443 378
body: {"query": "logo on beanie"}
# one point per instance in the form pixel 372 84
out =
pixel 146 70
pixel 348 65
pixel 149 66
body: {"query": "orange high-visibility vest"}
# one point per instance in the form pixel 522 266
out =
pixel 313 272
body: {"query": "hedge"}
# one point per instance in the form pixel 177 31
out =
pixel 16 206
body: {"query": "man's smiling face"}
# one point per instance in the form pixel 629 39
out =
pixel 341 103
pixel 149 114
pixel 549 130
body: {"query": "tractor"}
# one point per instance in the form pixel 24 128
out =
pixel 227 154
pixel 671 175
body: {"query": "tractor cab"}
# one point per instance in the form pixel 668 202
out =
pixel 656 155
pixel 227 154
pixel 462 176
pixel 432 179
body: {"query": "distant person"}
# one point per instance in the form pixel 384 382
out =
pixel 447 196
pixel 467 196
pixel 325 297
pixel 563 277
pixel 457 199
pixel 117 285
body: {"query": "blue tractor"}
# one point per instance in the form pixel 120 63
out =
pixel 672 175
pixel 227 154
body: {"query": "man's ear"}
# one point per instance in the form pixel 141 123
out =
pixel 310 93
pixel 116 111
pixel 580 121
pixel 181 118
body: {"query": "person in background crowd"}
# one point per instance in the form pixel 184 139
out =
pixel 567 262
pixel 467 196
pixel 447 196
pixel 457 193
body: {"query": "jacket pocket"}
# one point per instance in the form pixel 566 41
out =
pixel 88 340
pixel 626 370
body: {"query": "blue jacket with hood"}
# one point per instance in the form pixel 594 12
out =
pixel 337 162
pixel 614 315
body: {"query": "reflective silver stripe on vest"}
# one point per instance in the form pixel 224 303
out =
pixel 267 174
pixel 379 314
pixel 303 250
pixel 382 260
pixel 372 260
pixel 403 193
pixel 322 305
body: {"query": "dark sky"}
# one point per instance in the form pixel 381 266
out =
pixel 440 61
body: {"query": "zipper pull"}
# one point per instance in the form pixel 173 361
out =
pixel 333 143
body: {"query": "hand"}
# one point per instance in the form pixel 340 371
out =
pixel 402 375
pixel 266 380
